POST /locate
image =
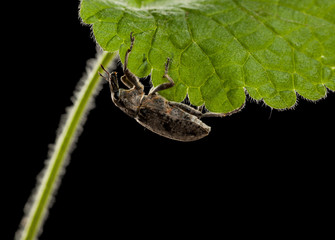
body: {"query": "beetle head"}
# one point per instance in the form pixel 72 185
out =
pixel 114 85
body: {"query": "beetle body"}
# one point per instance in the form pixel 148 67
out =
pixel 167 120
pixel 159 115
pixel 173 120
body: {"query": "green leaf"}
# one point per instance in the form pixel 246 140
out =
pixel 223 49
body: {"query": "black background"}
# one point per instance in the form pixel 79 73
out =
pixel 123 179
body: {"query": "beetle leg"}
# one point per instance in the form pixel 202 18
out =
pixel 164 86
pixel 210 114
pixel 132 39
pixel 126 82
pixel 186 108
pixel 132 79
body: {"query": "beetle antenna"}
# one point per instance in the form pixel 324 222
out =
pixel 109 75
pixel 104 69
pixel 103 77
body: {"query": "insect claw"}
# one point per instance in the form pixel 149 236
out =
pixel 167 65
pixel 132 39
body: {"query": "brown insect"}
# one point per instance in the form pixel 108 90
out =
pixel 173 120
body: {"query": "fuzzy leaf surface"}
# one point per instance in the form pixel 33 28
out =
pixel 222 50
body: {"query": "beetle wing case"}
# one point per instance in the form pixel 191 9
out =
pixel 169 121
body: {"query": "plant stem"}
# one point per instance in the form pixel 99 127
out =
pixel 54 168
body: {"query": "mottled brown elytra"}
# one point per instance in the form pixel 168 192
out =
pixel 173 120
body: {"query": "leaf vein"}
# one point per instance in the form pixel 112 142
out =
pixel 303 12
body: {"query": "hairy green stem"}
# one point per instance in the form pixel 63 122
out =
pixel 49 179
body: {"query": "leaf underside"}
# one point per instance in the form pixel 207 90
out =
pixel 222 50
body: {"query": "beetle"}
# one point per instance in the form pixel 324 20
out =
pixel 169 119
